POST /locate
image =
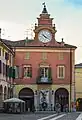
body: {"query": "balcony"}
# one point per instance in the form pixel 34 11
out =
pixel 44 80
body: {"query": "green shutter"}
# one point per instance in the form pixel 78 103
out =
pixel 30 71
pixel 49 73
pixel 13 73
pixel 10 72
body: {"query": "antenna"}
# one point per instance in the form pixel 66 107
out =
pixel 32 31
pixel 26 33
pixel 29 32
pixel 3 33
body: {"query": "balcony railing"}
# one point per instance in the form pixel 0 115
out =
pixel 44 80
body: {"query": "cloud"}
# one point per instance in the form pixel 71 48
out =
pixel 67 17
pixel 68 20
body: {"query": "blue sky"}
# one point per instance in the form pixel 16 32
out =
pixel 18 16
pixel 76 3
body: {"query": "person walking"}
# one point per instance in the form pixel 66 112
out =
pixel 58 108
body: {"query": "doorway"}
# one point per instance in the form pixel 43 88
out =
pixel 62 97
pixel 27 95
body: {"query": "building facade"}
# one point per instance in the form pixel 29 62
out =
pixel 6 62
pixel 78 86
pixel 44 68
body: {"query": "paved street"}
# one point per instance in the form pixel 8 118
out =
pixel 40 116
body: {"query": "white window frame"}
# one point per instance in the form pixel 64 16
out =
pixel 26 66
pixel 45 70
pixel 58 67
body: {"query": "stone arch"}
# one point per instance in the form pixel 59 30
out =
pixel 62 97
pixel 27 95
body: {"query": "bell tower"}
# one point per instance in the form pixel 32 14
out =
pixel 45 23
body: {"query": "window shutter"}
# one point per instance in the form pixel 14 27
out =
pixel 7 70
pixel 16 71
pixel 49 72
pixel 10 72
pixel 20 71
pixel 13 73
pixel 30 71
pixel 40 69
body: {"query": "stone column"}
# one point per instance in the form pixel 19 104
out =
pixel 35 100
pixel 69 102
pixel 53 100
pixel 50 99
pixel 3 94
pixel 2 97
pixel 14 91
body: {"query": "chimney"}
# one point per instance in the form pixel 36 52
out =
pixel 26 40
pixel 62 42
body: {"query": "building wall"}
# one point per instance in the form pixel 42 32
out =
pixel 5 85
pixel 36 59
pixel 78 82
pixel 53 60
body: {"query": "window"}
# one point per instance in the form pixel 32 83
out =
pixel 16 71
pixel 4 69
pixel 27 56
pixel 6 56
pixel 0 66
pixel 44 72
pixel 0 51
pixel 10 59
pixel 44 56
pixel 3 51
pixel 7 70
pixel 61 72
pixel 27 71
pixel 61 56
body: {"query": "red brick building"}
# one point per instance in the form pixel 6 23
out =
pixel 44 68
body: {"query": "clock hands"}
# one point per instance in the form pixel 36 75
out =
pixel 45 36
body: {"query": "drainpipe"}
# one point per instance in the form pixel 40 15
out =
pixel 70 76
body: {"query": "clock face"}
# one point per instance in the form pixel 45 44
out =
pixel 45 36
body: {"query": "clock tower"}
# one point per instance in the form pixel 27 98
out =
pixel 45 30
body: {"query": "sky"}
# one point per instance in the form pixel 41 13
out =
pixel 18 17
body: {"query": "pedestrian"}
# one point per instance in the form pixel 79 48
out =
pixel 58 108
pixel 66 108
